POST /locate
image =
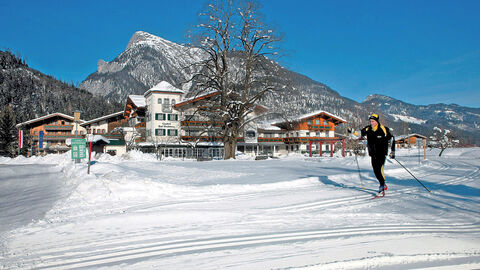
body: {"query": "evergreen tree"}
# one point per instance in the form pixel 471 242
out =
pixel 8 132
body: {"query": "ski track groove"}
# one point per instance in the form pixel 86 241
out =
pixel 124 252
pixel 359 199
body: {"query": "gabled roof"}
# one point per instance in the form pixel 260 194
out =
pixel 197 98
pixel 113 115
pixel 163 87
pixel 46 117
pixel 325 115
pixel 138 100
pixel 403 137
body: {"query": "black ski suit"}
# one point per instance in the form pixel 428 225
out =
pixel 377 141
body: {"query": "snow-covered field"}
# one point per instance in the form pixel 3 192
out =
pixel 289 213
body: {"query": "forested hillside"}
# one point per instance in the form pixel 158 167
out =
pixel 33 94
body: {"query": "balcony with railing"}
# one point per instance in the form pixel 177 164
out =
pixel 58 127
pixel 308 139
pixel 201 123
pixel 273 140
pixel 141 125
pixel 201 138
pixel 319 127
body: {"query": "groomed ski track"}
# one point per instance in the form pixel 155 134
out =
pixel 158 249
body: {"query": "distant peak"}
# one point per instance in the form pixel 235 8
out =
pixel 141 37
pixel 376 97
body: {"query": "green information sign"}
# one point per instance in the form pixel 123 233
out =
pixel 79 149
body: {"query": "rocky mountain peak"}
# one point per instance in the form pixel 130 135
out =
pixel 144 38
pixel 378 98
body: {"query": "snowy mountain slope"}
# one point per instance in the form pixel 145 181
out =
pixel 146 61
pixel 288 213
pixel 465 121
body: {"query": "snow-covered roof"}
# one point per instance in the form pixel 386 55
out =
pixel 197 97
pixel 402 137
pixel 138 100
pixel 46 117
pixel 96 138
pixel 309 115
pixel 320 112
pixel 270 128
pixel 164 87
pixel 102 118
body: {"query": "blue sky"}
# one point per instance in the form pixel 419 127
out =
pixel 421 52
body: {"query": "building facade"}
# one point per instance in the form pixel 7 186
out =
pixel 162 122
pixel 48 134
pixel 107 126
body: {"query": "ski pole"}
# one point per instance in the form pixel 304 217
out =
pixel 358 169
pixel 413 175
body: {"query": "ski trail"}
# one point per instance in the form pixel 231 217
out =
pixel 364 199
pixel 73 257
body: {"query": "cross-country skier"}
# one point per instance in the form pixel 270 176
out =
pixel 378 137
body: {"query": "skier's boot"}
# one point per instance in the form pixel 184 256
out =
pixel 381 191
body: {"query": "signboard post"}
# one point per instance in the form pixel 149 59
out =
pixel 89 155
pixel 79 149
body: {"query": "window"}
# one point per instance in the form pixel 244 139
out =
pixel 309 122
pixel 172 132
pixel 317 122
pixel 325 123
pixel 159 116
pixel 166 101
pixel 308 134
pixel 173 101
pixel 250 134
pixel 159 132
pixel 173 117
pixel 159 101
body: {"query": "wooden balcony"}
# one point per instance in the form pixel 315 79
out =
pixel 201 138
pixel 201 123
pixel 319 127
pixel 58 127
pixel 308 139
pixel 141 125
pixel 264 139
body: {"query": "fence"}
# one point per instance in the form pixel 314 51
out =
pixel 191 153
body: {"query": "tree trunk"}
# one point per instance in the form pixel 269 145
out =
pixel 230 148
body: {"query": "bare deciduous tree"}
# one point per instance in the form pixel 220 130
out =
pixel 236 43
pixel 442 138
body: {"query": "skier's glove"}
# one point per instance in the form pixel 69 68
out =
pixel 392 155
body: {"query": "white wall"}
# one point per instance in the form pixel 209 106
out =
pixel 152 124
